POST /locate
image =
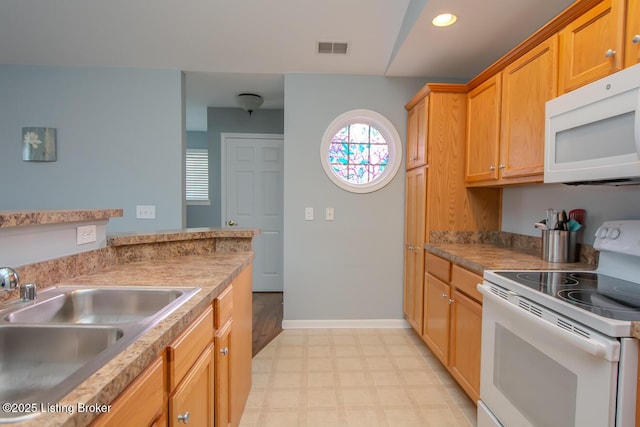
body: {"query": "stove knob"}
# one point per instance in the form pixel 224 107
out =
pixel 614 233
pixel 601 233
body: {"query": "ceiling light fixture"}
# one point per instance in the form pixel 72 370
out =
pixel 444 20
pixel 250 101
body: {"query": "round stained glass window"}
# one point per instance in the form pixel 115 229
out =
pixel 361 151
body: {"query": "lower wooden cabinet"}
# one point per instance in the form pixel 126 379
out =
pixel 222 379
pixel 240 341
pixel 203 377
pixel 141 404
pixel 192 401
pixel 453 320
pixel 190 378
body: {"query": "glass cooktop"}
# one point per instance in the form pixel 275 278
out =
pixel 603 295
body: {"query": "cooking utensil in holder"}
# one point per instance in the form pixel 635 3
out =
pixel 559 246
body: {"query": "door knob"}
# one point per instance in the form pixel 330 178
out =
pixel 231 223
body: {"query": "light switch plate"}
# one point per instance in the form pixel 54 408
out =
pixel 308 214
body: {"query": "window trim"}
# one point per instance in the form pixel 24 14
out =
pixel 390 135
pixel 199 152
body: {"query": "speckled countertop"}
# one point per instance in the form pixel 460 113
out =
pixel 211 272
pixel 23 218
pixel 478 257
pixel 121 239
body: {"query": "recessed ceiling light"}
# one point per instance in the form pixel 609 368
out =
pixel 444 20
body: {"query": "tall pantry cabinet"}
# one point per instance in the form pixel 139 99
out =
pixel 436 195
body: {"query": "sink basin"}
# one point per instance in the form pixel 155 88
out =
pixel 112 305
pixel 42 363
pixel 50 346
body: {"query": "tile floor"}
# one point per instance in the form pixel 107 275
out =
pixel 353 377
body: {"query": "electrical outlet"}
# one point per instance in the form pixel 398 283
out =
pixel 146 212
pixel 86 234
pixel 329 214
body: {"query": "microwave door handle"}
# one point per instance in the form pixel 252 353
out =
pixel 608 352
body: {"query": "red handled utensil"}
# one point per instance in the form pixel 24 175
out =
pixel 577 215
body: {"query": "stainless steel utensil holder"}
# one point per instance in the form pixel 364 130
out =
pixel 559 246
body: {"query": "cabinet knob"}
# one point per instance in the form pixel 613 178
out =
pixel 412 158
pixel 450 301
pixel 231 223
pixel 492 168
pixel 444 296
pixel 225 351
pixel 184 418
pixel 636 39
pixel 501 166
pixel 610 53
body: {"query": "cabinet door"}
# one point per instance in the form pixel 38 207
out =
pixel 527 84
pixel 221 362
pixel 192 401
pixel 141 403
pixel 416 135
pixel 414 245
pixel 591 47
pixel 466 332
pixel 483 131
pixel 632 48
pixel 436 317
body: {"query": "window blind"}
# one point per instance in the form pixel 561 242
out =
pixel 197 174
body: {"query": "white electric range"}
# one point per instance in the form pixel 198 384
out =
pixel 556 345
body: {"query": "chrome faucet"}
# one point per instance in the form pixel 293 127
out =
pixel 9 280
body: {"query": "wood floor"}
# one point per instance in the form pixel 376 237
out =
pixel 267 318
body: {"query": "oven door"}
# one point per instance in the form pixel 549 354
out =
pixel 536 373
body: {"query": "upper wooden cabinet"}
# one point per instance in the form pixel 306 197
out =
pixel 632 37
pixel 592 46
pixel 416 134
pixel 527 84
pixel 483 131
pixel 505 123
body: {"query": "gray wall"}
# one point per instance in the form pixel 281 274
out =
pixel 522 206
pixel 222 120
pixel 119 141
pixel 350 268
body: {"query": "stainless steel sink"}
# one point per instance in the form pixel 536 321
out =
pixel 39 364
pixel 50 346
pixel 97 305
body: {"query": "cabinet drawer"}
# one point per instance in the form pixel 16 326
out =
pixel 223 307
pixel 184 351
pixel 438 267
pixel 466 282
pixel 141 403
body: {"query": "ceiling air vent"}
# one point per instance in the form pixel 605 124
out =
pixel 337 48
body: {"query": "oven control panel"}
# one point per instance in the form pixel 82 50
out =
pixel 619 236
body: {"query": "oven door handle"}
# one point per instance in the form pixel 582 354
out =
pixel 596 348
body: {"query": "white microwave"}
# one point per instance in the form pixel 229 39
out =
pixel 592 134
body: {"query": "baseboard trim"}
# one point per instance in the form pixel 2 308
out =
pixel 347 323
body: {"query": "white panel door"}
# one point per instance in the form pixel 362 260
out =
pixel 252 197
